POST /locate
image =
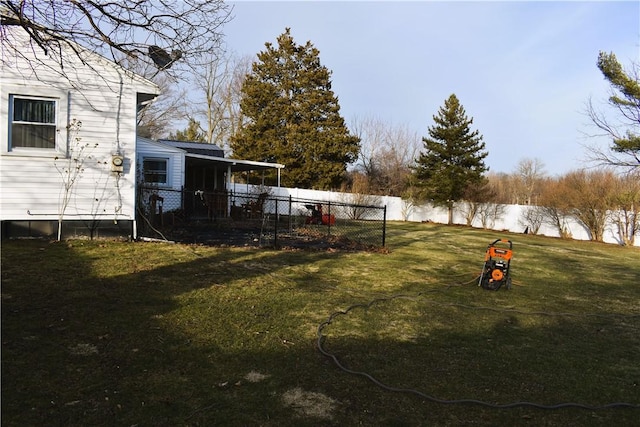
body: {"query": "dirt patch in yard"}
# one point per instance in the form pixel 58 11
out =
pixel 309 403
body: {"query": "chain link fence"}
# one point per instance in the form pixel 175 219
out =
pixel 245 219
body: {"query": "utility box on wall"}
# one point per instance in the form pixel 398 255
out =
pixel 117 163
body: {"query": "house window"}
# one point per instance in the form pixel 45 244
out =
pixel 155 171
pixel 33 122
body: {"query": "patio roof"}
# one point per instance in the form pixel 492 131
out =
pixel 203 153
pixel 195 147
pixel 235 165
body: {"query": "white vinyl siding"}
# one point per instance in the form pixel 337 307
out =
pixel 171 191
pixel 174 157
pixel 95 108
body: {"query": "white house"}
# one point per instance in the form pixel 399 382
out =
pixel 67 140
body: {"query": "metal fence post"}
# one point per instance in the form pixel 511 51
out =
pixel 384 225
pixel 328 220
pixel 275 227
pixel 290 211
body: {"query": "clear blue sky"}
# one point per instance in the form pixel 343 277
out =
pixel 522 70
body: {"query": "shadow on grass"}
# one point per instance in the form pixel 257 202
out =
pixel 134 348
pixel 501 357
pixel 171 338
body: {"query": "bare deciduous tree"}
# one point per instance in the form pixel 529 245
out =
pixel 386 154
pixel 360 200
pixel 532 219
pixel 217 97
pixel 489 213
pixel 475 196
pixel 157 32
pixel 625 214
pixel 505 187
pixel 530 173
pixel 588 195
pixel 521 187
pixel 156 120
pixel 555 208
pixel 373 135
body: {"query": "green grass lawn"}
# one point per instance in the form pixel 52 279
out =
pixel 115 333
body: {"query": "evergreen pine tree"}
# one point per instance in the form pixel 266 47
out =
pixel 192 133
pixel 452 158
pixel 626 100
pixel 293 117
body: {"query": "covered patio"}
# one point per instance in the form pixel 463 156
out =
pixel 209 179
pixel 193 179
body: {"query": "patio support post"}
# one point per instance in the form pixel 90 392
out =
pixel 227 186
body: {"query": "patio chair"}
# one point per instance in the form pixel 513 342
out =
pixel 254 208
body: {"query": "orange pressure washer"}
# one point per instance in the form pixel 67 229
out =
pixel 497 264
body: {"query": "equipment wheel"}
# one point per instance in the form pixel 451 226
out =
pixel 491 285
pixel 495 285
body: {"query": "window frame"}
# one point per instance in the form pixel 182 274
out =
pixel 12 122
pixel 61 98
pixel 167 162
